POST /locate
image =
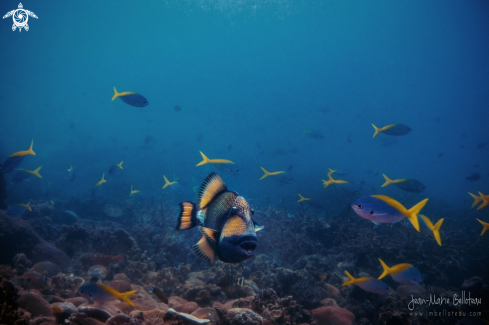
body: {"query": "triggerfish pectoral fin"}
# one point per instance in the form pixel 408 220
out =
pixel 204 250
pixel 124 296
pixel 187 219
pixel 435 228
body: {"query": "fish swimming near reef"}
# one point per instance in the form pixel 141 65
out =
pixel 206 160
pixel 392 129
pixel 267 173
pixel 402 273
pixel 225 219
pixel 96 189
pixel 15 159
pixel 367 283
pixel 383 209
pixel 22 175
pixel 405 184
pixel 71 174
pixel 18 209
pixel 426 227
pixel 115 168
pixel 159 293
pixel 95 292
pixel 131 98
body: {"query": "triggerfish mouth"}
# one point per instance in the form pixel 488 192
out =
pixel 225 221
pixel 383 209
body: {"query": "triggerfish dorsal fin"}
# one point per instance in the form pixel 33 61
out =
pixel 34 172
pixel 204 250
pixel 435 228
pixel 24 153
pixel 187 218
pixel 210 188
pixel 124 296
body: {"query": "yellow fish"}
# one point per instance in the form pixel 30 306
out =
pixel 269 174
pixel 331 180
pixel 167 182
pixel 303 198
pixel 486 226
pixel 212 161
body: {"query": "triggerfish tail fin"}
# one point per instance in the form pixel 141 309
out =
pixel 412 214
pixel 264 175
pixel 204 161
pixel 377 130
pixel 351 279
pixel 211 186
pixel 116 94
pixel 435 228
pixel 486 226
pixel 388 181
pixel 387 270
pixel 187 218
pixel 204 250
pixel 477 200
pixel 124 296
pixel 35 172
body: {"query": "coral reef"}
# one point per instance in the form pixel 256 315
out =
pixel 9 313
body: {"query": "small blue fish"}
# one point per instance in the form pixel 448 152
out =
pixel 115 168
pixel 71 174
pixel 133 99
pixel 137 194
pixel 383 209
pixel 368 284
pixel 402 273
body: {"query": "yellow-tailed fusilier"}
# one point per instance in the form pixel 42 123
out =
pixel 225 219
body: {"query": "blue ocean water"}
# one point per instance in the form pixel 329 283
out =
pixel 287 85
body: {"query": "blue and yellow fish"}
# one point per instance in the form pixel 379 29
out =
pixel 405 184
pixel 133 99
pixel 383 209
pixel 15 159
pixel 95 292
pixel 22 175
pixel 115 168
pixel 402 273
pixel 367 283
pixel 392 129
pixel 225 219
pixel 96 189
pixel 71 174
pixel 18 209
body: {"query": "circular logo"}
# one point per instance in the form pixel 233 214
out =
pixel 20 18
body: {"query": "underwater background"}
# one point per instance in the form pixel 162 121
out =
pixel 286 85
